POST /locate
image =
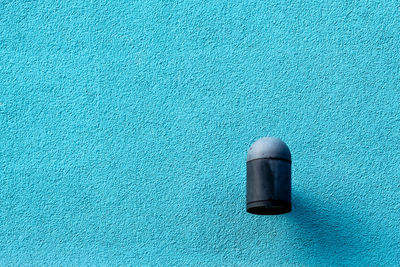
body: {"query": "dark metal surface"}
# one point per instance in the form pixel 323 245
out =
pixel 269 184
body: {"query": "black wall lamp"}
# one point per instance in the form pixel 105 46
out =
pixel 269 177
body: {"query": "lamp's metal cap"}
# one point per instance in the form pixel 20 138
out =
pixel 269 147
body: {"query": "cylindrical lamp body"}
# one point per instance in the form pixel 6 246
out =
pixel 268 177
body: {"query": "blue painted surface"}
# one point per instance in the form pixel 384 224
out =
pixel 125 127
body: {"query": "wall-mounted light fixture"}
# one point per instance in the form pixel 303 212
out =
pixel 269 177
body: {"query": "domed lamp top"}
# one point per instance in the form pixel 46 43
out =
pixel 269 147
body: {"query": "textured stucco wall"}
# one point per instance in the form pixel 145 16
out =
pixel 125 128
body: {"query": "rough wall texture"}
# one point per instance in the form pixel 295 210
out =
pixel 125 128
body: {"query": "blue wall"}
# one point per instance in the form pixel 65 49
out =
pixel 125 128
